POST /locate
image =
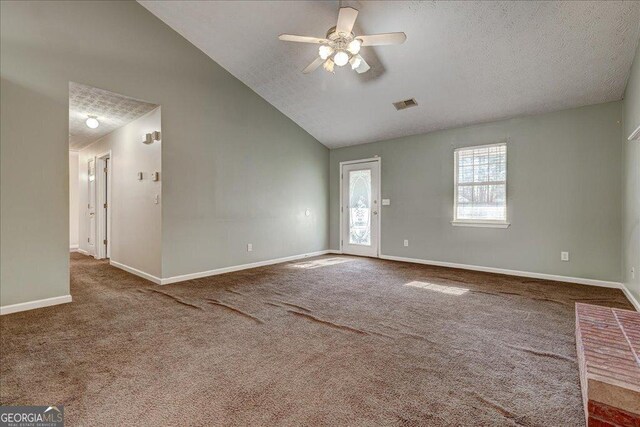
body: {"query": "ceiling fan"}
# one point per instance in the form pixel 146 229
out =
pixel 341 46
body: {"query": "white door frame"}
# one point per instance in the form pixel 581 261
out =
pixel 101 221
pixel 91 201
pixel 351 162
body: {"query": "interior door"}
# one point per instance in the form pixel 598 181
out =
pixel 360 208
pixel 91 206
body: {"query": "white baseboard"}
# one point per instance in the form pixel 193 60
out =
pixel 83 252
pixel 631 298
pixel 333 251
pixel 24 306
pixel 73 248
pixel 223 270
pixel 137 272
pixel 579 280
pixel 201 274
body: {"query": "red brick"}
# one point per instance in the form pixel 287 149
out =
pixel 607 342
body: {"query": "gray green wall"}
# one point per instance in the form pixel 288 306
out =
pixel 631 182
pixel 235 170
pixel 564 193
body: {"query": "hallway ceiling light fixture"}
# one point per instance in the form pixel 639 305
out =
pixel 341 46
pixel 92 122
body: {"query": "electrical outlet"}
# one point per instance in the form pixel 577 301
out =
pixel 564 256
pixel 406 243
pixel 249 247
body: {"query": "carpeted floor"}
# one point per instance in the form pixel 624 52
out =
pixel 328 341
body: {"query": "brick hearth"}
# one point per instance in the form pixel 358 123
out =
pixel 608 345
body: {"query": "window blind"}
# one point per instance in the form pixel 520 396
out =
pixel 481 183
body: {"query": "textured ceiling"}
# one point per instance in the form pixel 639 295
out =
pixel 111 110
pixel 464 62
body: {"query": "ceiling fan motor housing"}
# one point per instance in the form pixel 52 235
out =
pixel 333 35
pixel 339 41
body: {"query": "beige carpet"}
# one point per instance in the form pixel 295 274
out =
pixel 330 341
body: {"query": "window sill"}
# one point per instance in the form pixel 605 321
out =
pixel 492 224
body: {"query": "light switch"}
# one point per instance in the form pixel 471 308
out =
pixel 386 202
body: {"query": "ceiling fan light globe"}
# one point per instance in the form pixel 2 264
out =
pixel 325 51
pixel 341 58
pixel 92 122
pixel 354 46
pixel 355 62
pixel 328 65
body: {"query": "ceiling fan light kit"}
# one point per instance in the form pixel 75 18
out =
pixel 341 46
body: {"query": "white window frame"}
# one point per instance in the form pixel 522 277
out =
pixel 489 223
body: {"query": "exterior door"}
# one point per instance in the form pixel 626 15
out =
pixel 91 206
pixel 360 208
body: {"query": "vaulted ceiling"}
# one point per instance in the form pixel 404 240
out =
pixel 112 110
pixel 464 62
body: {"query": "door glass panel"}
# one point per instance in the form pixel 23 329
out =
pixel 360 207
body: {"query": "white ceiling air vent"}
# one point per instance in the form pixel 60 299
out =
pixel 407 103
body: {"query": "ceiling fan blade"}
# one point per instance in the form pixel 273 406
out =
pixel 312 67
pixel 383 39
pixel 363 67
pixel 301 39
pixel 346 18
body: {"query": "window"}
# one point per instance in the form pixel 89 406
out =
pixel 481 186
